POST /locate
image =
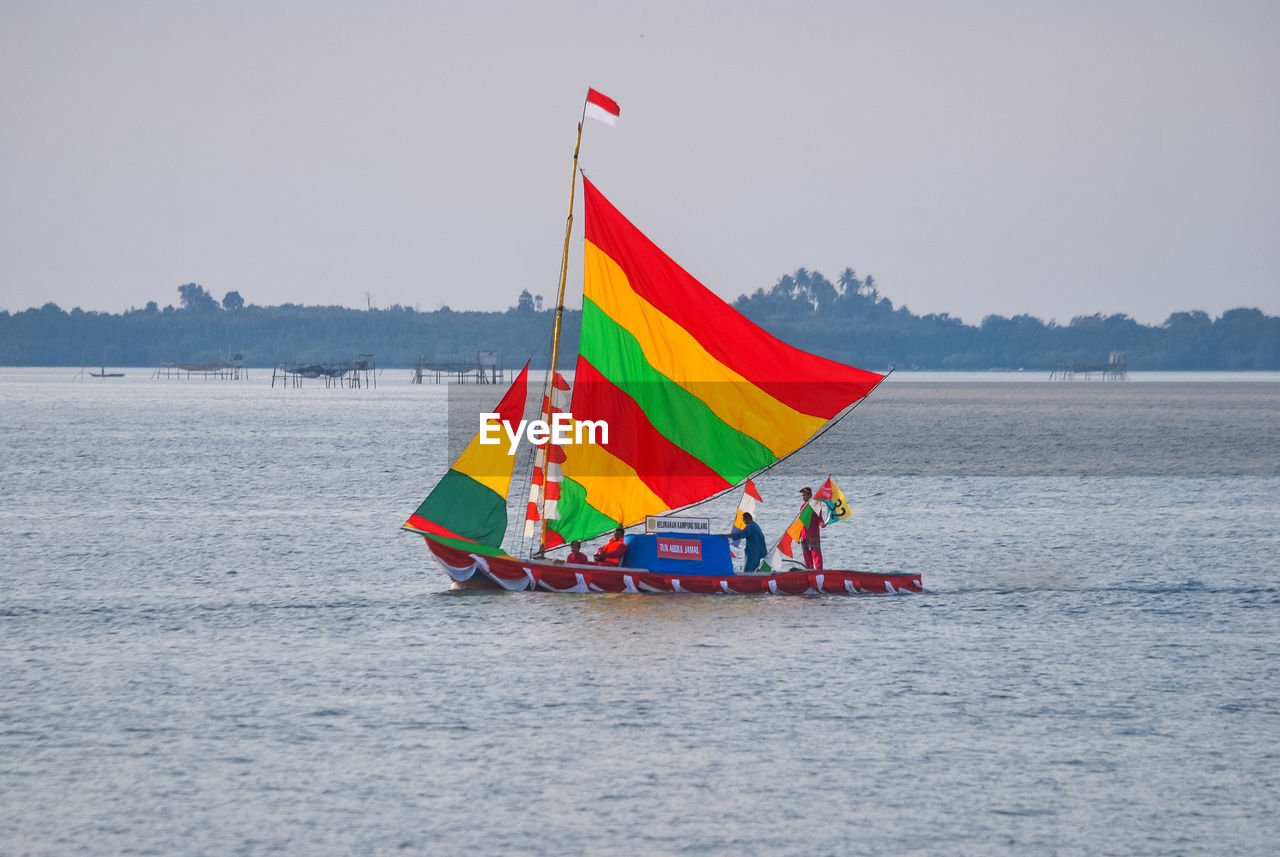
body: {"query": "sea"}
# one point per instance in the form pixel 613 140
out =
pixel 216 640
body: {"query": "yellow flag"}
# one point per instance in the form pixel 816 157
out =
pixel 837 506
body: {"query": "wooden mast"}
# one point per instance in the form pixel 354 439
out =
pixel 549 385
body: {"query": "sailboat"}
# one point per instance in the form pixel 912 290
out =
pixel 676 399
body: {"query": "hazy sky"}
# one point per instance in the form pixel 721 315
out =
pixel 1053 158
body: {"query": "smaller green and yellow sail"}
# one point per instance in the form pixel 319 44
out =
pixel 468 507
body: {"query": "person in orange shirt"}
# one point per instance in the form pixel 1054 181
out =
pixel 613 552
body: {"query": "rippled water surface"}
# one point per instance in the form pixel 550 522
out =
pixel 215 640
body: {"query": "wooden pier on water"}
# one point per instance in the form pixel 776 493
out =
pixel 352 374
pixel 483 370
pixel 1112 370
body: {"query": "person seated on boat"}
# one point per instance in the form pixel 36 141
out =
pixel 811 539
pixel 613 552
pixel 755 549
pixel 576 554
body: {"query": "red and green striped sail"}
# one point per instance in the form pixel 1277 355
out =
pixel 468 507
pixel 696 396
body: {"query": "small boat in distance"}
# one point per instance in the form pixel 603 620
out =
pixel 695 400
pixel 105 374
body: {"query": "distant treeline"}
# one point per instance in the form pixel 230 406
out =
pixel 847 320
pixel 850 321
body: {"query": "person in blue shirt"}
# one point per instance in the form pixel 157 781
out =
pixel 755 550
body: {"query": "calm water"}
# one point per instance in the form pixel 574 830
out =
pixel 214 640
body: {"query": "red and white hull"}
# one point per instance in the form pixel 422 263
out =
pixel 475 571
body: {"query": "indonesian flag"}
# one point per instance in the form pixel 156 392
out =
pixel 602 107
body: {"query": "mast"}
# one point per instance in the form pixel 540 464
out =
pixel 548 385
pixel 564 256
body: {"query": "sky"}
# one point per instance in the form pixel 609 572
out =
pixel 1050 158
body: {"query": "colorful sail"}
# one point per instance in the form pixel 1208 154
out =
pixel 697 397
pixel 468 507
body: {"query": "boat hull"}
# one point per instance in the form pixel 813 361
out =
pixel 474 571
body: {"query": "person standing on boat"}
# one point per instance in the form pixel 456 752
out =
pixel 754 537
pixel 576 554
pixel 613 552
pixel 811 538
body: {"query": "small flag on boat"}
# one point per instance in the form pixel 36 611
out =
pixel 750 497
pixel 837 508
pixel 602 107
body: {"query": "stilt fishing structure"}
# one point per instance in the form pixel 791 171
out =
pixel 1112 370
pixel 484 370
pixel 352 374
pixel 230 369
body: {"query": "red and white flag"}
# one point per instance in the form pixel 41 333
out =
pixel 602 107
